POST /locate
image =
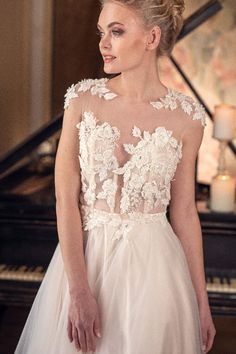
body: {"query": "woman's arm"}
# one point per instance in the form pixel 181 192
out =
pixel 185 222
pixel 83 315
pixel 183 213
pixel 67 189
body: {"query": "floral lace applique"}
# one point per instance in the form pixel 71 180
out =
pixel 152 161
pixel 104 160
pixel 169 101
pixel 145 158
pixel 146 174
pixel 187 103
pixel 109 188
pixel 93 218
pixel 96 87
pixel 71 92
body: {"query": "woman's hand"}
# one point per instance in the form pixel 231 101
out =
pixel 207 327
pixel 83 321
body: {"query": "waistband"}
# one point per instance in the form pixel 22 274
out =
pixel 92 217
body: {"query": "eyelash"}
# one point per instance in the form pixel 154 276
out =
pixel 116 33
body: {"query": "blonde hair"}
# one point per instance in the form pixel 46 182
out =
pixel 167 14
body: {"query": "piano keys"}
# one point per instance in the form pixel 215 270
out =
pixel 221 286
pixel 22 273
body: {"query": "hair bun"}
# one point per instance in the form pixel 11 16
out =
pixel 177 8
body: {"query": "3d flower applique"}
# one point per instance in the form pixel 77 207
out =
pixel 146 174
pixel 168 101
pixel 89 196
pixel 85 85
pixel 125 201
pixel 173 142
pixel 101 90
pixel 186 103
pixel 141 158
pixel 200 113
pixel 136 132
pixel 70 93
pixel 89 119
pixel 109 188
pixel 122 232
pixel 161 136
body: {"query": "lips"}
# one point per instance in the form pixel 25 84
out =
pixel 108 58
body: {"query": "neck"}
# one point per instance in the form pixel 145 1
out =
pixel 141 84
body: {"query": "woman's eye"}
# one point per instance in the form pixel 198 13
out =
pixel 117 32
pixel 99 33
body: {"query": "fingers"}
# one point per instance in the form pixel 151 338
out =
pixel 204 339
pixel 90 340
pixel 97 326
pixel 76 338
pixel 208 340
pixel 69 330
pixel 82 338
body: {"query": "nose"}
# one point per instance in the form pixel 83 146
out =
pixel 105 42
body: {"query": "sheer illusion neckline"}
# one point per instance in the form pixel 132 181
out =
pixel 114 93
pixel 161 135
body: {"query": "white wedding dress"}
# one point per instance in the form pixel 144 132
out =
pixel 137 269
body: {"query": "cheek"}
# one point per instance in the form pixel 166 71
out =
pixel 133 48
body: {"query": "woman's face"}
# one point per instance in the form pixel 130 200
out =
pixel 123 38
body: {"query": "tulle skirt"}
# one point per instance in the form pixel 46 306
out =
pixel 138 273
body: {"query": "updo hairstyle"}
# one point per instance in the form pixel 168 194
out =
pixel 167 14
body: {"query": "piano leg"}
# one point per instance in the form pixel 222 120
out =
pixel 12 319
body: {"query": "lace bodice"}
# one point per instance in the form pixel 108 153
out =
pixel 140 183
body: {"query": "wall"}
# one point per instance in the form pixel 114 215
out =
pixel 25 68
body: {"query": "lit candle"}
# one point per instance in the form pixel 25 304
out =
pixel 222 193
pixel 224 122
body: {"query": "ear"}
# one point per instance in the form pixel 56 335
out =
pixel 153 38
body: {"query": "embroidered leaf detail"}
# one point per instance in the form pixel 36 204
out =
pixel 157 105
pixel 136 132
pixel 146 135
pixel 187 107
pixel 109 96
pixel 129 148
pixel 70 93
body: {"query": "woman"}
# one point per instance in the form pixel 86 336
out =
pixel 123 280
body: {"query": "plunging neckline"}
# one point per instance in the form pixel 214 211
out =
pixel 145 136
pixel 114 94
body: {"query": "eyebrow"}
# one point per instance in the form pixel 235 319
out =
pixel 111 24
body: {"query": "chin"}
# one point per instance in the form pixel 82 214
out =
pixel 111 71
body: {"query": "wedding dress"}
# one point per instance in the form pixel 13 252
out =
pixel 136 266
